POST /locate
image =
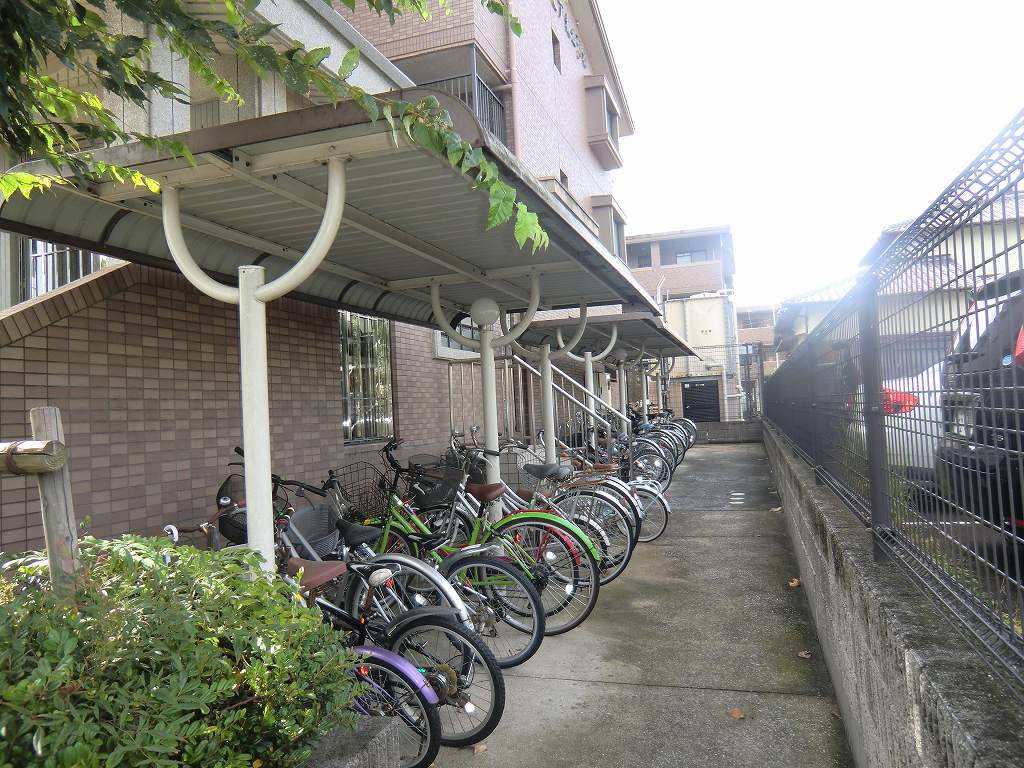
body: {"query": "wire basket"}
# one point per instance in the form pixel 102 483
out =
pixel 318 526
pixel 435 487
pixel 512 460
pixel 365 489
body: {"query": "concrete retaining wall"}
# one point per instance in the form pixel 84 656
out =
pixel 729 432
pixel 373 744
pixel 911 691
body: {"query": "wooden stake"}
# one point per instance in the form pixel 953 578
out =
pixel 59 525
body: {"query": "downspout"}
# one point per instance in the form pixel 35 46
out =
pixel 513 81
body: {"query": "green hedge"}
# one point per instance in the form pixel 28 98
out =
pixel 150 664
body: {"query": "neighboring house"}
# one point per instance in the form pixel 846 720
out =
pixel 691 273
pixel 798 315
pixel 83 338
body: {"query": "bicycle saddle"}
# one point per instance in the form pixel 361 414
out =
pixel 354 535
pixel 548 471
pixel 428 542
pixel 485 494
pixel 315 573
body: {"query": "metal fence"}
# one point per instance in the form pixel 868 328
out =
pixel 723 385
pixel 908 399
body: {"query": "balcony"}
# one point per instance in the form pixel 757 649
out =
pixel 485 103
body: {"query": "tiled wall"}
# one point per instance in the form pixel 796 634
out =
pixel 145 372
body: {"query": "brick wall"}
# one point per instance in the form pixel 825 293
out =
pixel 145 372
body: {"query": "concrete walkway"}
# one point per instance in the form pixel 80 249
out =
pixel 702 622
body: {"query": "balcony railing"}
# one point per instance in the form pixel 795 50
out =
pixel 484 102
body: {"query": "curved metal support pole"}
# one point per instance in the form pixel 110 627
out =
pixel 444 325
pixel 610 347
pixel 304 268
pixel 566 348
pixel 509 336
pixel 251 296
pixel 171 214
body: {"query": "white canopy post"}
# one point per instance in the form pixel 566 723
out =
pixel 547 387
pixel 251 296
pixel 624 396
pixel 485 312
pixel 588 360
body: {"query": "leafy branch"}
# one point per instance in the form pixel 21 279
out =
pixel 41 116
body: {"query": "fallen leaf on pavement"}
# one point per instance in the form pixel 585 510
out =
pixel 775 509
pixel 794 582
pixel 804 654
pixel 736 713
pixel 478 748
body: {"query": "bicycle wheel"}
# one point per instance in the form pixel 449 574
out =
pixel 390 693
pixel 655 513
pixel 602 512
pixel 651 466
pixel 563 569
pixel 505 606
pixel 461 669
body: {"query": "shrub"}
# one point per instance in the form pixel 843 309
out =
pixel 196 662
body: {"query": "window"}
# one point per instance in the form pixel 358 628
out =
pixel 611 121
pixel 556 51
pixel 467 329
pixel 47 266
pixel 686 257
pixel 366 377
pixel 638 256
pixel 618 236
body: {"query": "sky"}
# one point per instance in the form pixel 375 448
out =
pixel 805 126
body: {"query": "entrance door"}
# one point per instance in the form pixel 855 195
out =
pixel 700 400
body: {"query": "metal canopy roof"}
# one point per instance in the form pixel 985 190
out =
pixel 256 195
pixel 636 330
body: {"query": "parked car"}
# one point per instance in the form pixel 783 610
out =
pixel 978 461
pixel 912 402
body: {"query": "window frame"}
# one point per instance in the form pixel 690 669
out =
pixel 378 372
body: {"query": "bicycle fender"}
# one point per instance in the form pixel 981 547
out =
pixel 407 668
pixel 400 622
pixel 547 517
pixel 447 565
pixel 436 579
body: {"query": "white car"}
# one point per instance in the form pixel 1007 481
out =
pixel 913 422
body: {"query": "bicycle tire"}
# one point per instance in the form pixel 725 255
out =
pixel 431 725
pixel 585 573
pixel 436 665
pixel 656 514
pixel 524 615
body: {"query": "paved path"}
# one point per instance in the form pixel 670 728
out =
pixel 702 621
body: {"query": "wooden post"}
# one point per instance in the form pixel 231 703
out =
pixel 59 526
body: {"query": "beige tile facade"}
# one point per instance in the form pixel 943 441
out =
pixel 145 372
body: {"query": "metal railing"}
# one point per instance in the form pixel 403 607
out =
pixel 484 102
pixel 908 399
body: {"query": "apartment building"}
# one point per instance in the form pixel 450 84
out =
pixel 144 368
pixel 690 272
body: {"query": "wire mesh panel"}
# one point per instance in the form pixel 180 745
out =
pixel 908 398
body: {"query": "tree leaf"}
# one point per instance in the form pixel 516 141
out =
pixel 794 582
pixel 737 714
pixel 349 63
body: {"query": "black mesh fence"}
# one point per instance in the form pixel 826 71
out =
pixel 908 398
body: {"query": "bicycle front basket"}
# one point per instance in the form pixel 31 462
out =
pixel 231 502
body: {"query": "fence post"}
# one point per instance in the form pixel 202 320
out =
pixel 874 414
pixel 58 507
pixel 760 379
